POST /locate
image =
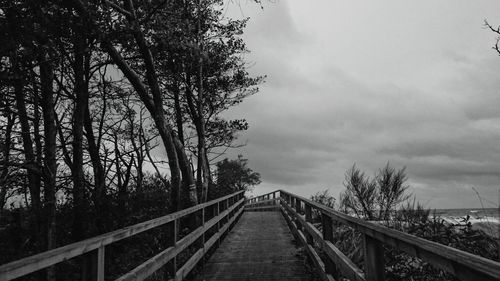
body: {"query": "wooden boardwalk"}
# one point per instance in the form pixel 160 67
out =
pixel 260 247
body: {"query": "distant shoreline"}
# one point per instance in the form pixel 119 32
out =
pixel 487 220
pixel 472 212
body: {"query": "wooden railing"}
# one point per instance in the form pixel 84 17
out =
pixel 298 212
pixel 226 210
pixel 266 202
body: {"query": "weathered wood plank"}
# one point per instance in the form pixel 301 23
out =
pixel 260 247
pixel 222 230
pixel 262 209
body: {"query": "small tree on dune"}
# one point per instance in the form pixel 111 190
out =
pixel 374 198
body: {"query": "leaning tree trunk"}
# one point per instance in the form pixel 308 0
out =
pixel 149 93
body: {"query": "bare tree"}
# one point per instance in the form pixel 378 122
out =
pixel 496 30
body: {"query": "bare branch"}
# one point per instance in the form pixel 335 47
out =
pixel 496 31
pixel 118 8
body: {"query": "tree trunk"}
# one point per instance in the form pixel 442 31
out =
pixel 120 186
pixel 32 173
pixel 135 136
pixel 178 113
pixel 196 113
pixel 11 118
pixel 50 159
pixel 37 136
pixel 202 166
pixel 95 158
pixel 98 169
pixel 80 107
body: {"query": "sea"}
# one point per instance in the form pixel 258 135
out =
pixel 473 213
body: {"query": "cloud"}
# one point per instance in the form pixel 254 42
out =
pixel 417 94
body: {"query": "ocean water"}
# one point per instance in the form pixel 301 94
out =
pixel 474 213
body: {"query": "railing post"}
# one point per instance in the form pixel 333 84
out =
pixel 374 259
pixel 308 220
pixel 173 228
pixel 203 221
pixel 218 222
pixel 298 210
pixel 327 223
pixel 100 263
pixel 203 235
pixel 231 203
pixel 298 206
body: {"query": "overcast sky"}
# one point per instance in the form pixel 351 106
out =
pixel 415 83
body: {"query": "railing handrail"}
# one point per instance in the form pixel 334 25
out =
pixel 46 259
pixel 460 263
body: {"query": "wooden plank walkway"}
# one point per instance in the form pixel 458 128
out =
pixel 260 247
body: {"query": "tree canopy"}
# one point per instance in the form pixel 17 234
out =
pixel 100 98
pixel 234 175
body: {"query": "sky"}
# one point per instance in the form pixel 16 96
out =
pixel 412 83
